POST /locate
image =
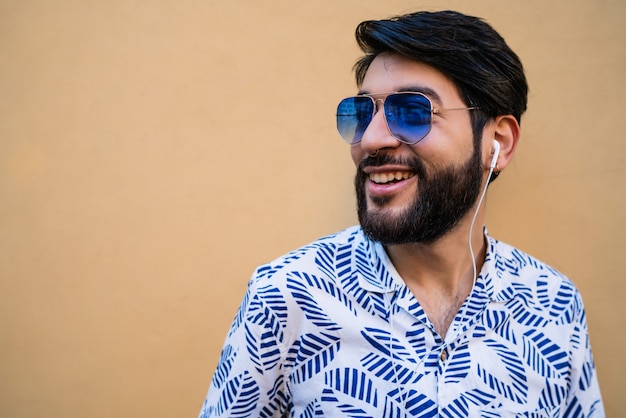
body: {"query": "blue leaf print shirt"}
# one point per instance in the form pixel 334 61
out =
pixel 332 330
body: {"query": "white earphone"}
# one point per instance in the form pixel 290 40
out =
pixel 494 161
pixel 496 152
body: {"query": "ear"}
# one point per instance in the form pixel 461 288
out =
pixel 506 131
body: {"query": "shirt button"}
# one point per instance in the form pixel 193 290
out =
pixel 444 355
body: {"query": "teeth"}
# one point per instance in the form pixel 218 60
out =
pixel 382 178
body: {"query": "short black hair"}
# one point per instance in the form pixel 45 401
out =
pixel 487 73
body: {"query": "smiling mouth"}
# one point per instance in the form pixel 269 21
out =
pixel 386 178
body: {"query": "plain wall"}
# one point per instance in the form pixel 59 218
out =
pixel 153 153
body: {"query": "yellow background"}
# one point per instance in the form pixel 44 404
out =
pixel 153 153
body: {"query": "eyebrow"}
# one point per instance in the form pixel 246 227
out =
pixel 427 91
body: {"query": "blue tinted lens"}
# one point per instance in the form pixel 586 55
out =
pixel 354 114
pixel 408 116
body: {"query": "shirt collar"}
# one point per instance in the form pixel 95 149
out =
pixel 376 272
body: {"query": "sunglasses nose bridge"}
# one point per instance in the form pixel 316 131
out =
pixel 377 106
pixel 377 134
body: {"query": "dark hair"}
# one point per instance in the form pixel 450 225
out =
pixel 487 73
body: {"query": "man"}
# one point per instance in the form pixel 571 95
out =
pixel 418 312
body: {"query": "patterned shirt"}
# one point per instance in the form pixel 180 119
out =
pixel 332 330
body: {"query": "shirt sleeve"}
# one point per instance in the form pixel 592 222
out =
pixel 249 381
pixel 584 398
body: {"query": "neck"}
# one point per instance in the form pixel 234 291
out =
pixel 441 274
pixel 444 263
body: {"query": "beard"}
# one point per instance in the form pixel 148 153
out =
pixel 441 200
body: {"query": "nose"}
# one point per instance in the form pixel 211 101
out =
pixel 377 135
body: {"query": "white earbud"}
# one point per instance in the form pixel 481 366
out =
pixel 496 152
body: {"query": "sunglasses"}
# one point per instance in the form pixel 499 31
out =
pixel 409 116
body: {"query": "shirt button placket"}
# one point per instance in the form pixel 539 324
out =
pixel 444 355
pixel 442 390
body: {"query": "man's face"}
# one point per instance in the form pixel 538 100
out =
pixel 415 193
